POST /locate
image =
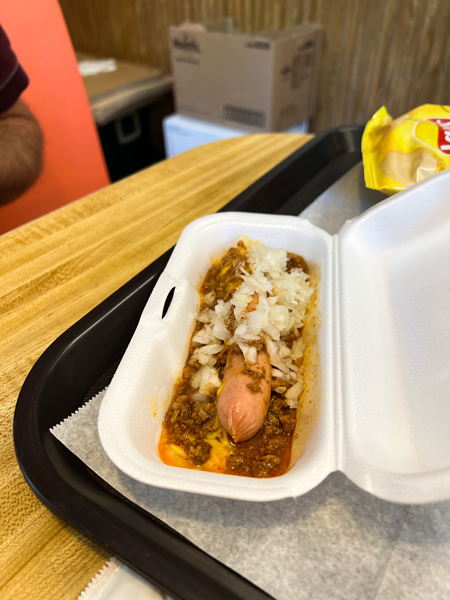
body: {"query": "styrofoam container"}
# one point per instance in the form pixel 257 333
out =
pixel 384 348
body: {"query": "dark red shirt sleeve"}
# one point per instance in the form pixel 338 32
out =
pixel 13 79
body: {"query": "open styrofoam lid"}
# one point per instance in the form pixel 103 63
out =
pixel 384 342
pixel 393 316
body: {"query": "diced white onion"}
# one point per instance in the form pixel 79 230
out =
pixel 272 260
pixel 276 373
pixel 199 397
pixel 282 302
pixel 221 332
pixel 297 348
pixel 206 380
pixel 209 298
pixel 204 353
pixel 204 336
pixel 293 393
pixel 203 317
pixel 250 353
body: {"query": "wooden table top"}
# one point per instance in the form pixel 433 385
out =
pixel 54 271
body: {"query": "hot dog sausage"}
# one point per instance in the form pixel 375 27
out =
pixel 244 399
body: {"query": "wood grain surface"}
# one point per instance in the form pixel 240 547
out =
pixel 394 52
pixel 55 270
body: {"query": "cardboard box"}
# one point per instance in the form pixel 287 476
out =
pixel 261 82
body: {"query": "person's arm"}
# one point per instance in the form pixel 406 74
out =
pixel 21 144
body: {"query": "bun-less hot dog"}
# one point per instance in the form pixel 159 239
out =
pixel 233 408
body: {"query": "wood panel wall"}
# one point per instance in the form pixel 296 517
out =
pixel 392 52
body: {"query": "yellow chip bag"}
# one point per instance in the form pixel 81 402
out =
pixel 398 153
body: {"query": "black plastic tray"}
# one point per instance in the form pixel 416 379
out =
pixel 82 361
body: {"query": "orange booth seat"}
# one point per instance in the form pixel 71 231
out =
pixel 74 165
